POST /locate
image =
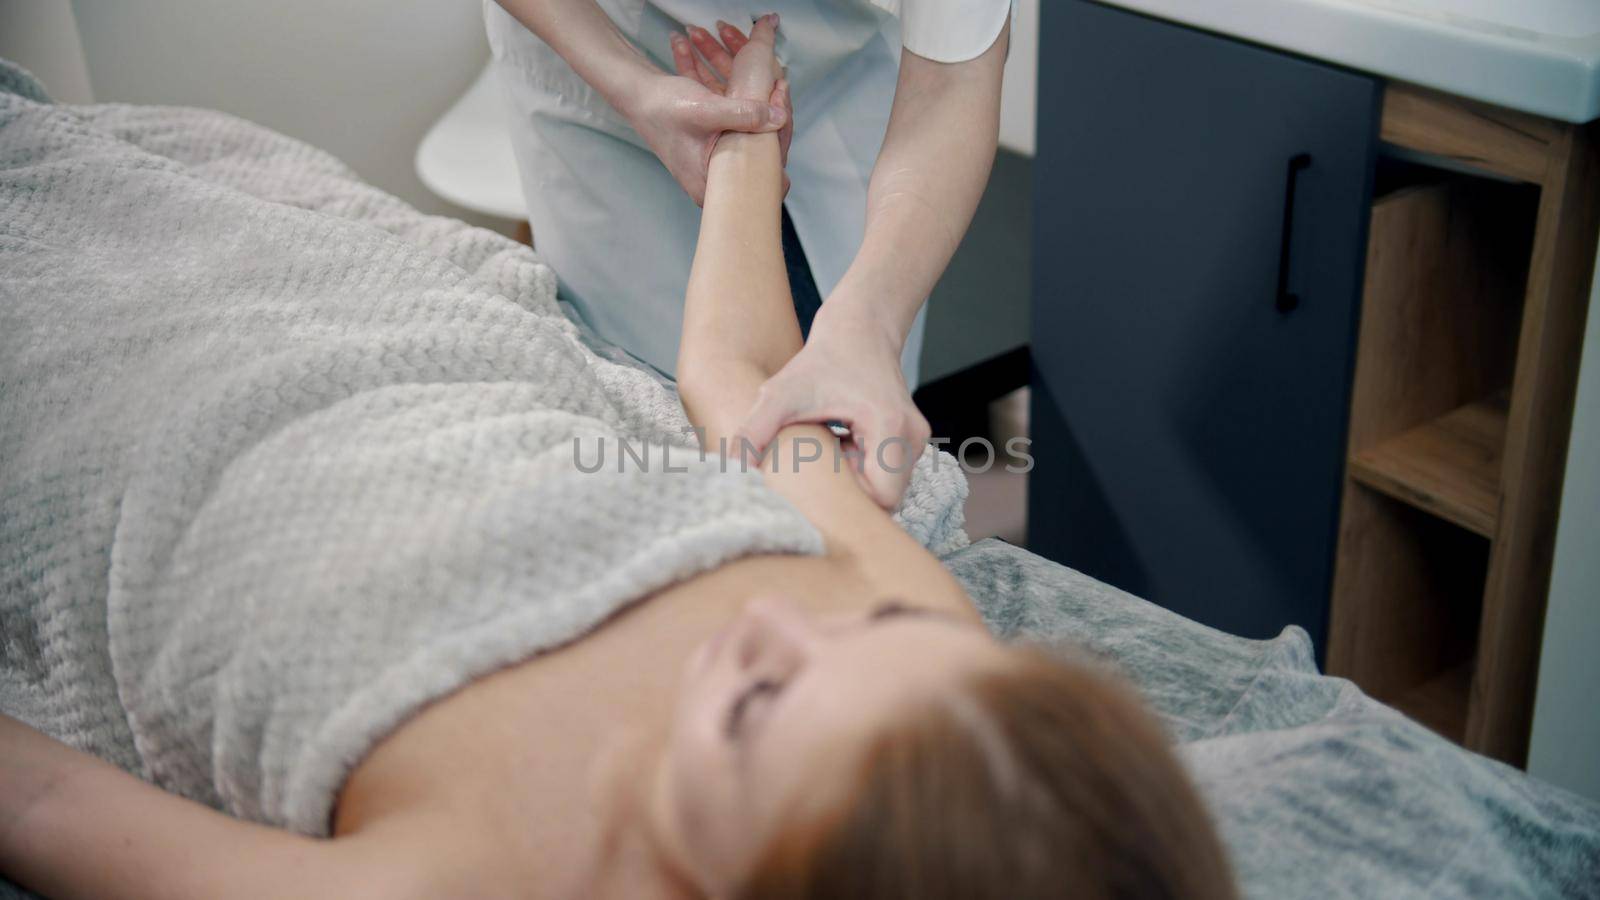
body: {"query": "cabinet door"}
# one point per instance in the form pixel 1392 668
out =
pixel 1200 215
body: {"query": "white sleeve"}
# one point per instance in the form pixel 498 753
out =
pixel 948 31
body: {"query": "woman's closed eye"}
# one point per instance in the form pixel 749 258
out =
pixel 759 693
pixel 893 608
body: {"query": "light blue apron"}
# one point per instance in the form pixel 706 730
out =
pixel 611 220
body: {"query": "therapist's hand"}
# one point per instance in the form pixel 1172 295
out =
pixel 710 60
pixel 680 119
pixel 848 371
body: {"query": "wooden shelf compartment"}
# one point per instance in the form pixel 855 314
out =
pixel 1449 467
pixel 1408 597
pixel 1447 261
pixel 1472 285
pixel 1440 702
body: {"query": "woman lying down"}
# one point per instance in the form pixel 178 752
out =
pixel 782 722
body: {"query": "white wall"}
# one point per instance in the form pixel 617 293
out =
pixel 1019 91
pixel 1565 745
pixel 362 79
pixel 41 36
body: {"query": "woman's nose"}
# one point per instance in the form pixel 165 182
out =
pixel 778 635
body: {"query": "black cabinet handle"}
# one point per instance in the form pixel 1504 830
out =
pixel 1287 300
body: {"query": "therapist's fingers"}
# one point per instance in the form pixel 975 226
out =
pixel 732 38
pixel 689 65
pixel 707 77
pixel 719 57
pixel 890 444
pixel 780 98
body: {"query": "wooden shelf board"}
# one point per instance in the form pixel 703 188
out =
pixel 1449 467
pixel 1506 143
pixel 1440 703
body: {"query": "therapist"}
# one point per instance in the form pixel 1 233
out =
pixel 889 155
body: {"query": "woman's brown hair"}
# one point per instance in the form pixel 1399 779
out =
pixel 1038 779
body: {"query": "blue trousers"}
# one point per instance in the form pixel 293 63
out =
pixel 807 299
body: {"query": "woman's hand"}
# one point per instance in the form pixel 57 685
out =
pixel 681 120
pixel 733 68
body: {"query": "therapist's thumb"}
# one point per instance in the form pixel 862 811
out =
pixel 729 114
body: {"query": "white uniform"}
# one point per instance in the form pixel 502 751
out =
pixel 608 216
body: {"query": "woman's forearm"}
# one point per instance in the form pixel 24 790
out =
pixel 925 186
pixel 584 36
pixel 739 328
pixel 739 325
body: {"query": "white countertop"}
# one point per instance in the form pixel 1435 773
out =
pixel 1538 56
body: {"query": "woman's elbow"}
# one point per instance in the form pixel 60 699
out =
pixel 717 392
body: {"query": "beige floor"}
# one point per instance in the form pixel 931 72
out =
pixel 997 505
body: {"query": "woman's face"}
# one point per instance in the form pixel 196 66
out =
pixel 774 712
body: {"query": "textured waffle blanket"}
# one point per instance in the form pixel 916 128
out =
pixel 1319 790
pixel 284 459
pixel 281 458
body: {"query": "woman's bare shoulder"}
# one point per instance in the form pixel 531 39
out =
pixel 860 536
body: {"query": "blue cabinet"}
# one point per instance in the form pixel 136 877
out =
pixel 1200 220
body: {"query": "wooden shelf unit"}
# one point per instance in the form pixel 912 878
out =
pixel 1449 466
pixel 1477 283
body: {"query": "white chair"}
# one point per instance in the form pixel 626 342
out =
pixel 466 156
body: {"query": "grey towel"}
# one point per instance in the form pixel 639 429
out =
pixel 1319 790
pixel 285 459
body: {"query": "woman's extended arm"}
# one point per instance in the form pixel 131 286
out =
pixel 925 186
pixel 72 825
pixel 739 328
pixel 739 325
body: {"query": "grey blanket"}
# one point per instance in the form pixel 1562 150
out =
pixel 351 405
pixel 1320 791
pixel 285 460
